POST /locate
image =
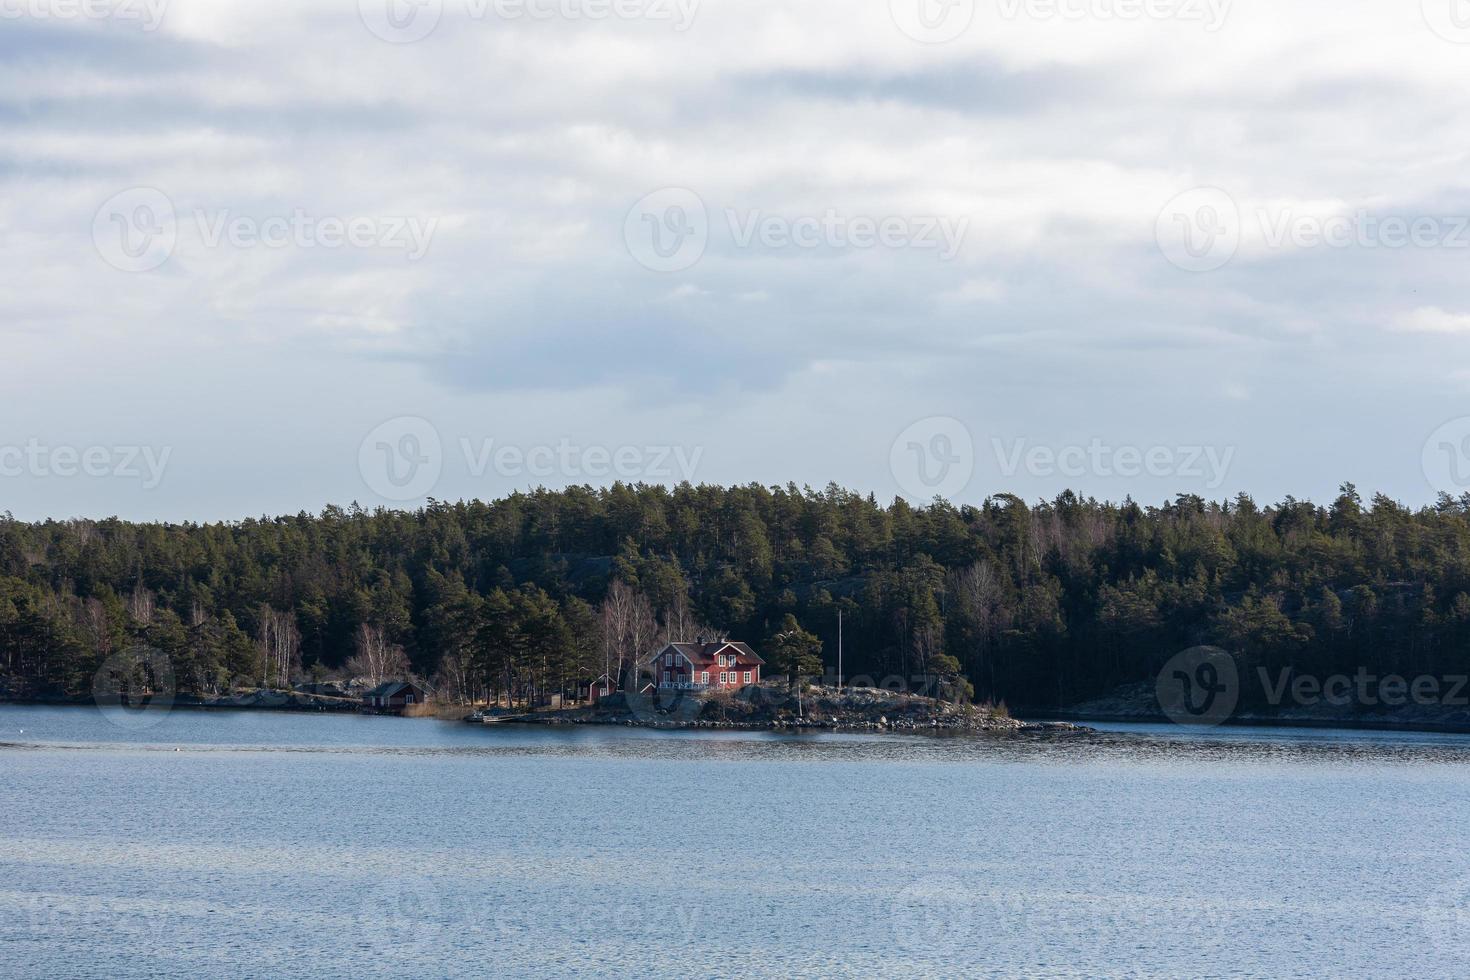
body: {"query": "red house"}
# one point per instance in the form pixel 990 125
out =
pixel 702 666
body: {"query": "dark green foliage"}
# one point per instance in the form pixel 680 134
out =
pixel 793 651
pixel 1040 604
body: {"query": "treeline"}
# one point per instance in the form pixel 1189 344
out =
pixel 1036 604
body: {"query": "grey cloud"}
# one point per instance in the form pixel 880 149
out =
pixel 973 87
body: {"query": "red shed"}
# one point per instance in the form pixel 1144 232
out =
pixel 393 697
pixel 601 688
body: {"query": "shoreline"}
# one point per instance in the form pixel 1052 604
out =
pixel 1024 721
pixel 1021 727
pixel 924 723
pixel 1256 721
pixel 286 703
pixel 773 706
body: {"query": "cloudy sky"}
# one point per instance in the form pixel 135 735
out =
pixel 262 256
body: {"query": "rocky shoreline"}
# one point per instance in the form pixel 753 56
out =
pixel 767 707
pixel 261 700
pixel 772 707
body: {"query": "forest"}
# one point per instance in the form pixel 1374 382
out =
pixel 1041 604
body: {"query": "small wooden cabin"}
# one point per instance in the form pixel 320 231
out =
pixel 393 697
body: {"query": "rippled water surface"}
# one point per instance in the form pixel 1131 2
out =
pixel 258 844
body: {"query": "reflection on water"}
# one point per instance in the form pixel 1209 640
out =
pixel 256 845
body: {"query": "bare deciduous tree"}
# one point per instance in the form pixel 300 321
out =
pixel 377 658
pixel 682 625
pixel 455 678
pixel 140 605
pixel 978 596
pixel 92 619
pixel 280 647
pixel 630 628
pixel 928 644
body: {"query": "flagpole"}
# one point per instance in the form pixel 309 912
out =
pixel 839 649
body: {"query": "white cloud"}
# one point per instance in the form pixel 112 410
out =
pixel 1432 319
pixel 978 290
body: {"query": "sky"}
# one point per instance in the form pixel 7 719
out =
pixel 260 257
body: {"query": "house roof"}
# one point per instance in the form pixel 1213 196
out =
pixel 389 688
pixel 701 654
